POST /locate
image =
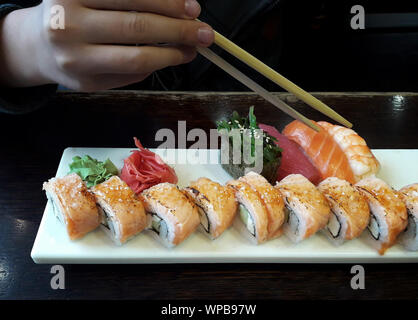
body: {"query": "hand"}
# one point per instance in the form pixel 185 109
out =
pixel 96 50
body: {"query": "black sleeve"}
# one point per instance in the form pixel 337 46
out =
pixel 22 100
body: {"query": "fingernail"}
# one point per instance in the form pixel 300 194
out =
pixel 205 36
pixel 192 8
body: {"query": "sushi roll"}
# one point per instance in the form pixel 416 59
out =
pixel 409 237
pixel 272 200
pixel 73 205
pixel 216 205
pixel 253 222
pixel 350 212
pixel 307 208
pixel 362 161
pixel 388 215
pixel 122 213
pixel 174 216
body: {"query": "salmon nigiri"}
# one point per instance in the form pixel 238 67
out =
pixel 322 149
pixel 360 157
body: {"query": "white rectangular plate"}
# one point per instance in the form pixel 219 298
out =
pixel 52 245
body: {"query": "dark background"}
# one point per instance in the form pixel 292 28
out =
pixel 322 53
pixel 311 43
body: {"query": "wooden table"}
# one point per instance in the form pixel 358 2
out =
pixel 31 147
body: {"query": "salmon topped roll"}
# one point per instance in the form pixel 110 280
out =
pixel 362 161
pixel 122 213
pixel 388 214
pixel 253 212
pixel 174 216
pixel 322 150
pixel 73 205
pixel 216 205
pixel 409 237
pixel 307 208
pixel 272 200
pixel 350 212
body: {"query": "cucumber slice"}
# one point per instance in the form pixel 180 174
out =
pixel 247 219
pixel 163 230
pixel 159 226
pixel 204 221
pixel 56 210
pixel 156 223
pixel 292 219
pixel 334 225
pixel 411 226
pixel 374 227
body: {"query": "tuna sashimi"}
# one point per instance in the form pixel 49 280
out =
pixel 294 160
pixel 144 169
pixel 322 150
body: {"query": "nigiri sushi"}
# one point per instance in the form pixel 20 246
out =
pixel 322 150
pixel 362 161
pixel 409 237
pixel 253 212
pixel 73 205
pixel 350 212
pixel 293 159
pixel 307 208
pixel 174 215
pixel 122 213
pixel 388 215
pixel 216 204
pixel 271 199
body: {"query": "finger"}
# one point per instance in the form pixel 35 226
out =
pixel 102 59
pixel 109 81
pixel 185 9
pixel 116 27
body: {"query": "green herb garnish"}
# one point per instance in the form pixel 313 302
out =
pixel 270 150
pixel 93 171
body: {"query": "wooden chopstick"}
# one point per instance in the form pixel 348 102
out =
pixel 277 78
pixel 228 68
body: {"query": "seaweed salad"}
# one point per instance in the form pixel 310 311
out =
pixel 271 153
